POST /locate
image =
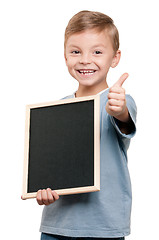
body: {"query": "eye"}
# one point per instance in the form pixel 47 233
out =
pixel 75 52
pixel 98 52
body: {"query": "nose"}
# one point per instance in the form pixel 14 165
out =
pixel 85 58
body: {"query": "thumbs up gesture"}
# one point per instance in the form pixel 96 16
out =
pixel 116 105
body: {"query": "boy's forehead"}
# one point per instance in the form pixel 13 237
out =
pixel 91 35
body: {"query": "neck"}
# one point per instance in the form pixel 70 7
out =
pixel 90 90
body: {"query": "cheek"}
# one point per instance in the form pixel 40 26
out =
pixel 70 63
pixel 70 66
pixel 105 63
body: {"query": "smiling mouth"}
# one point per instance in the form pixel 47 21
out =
pixel 86 72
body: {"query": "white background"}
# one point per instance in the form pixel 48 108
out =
pixel 32 70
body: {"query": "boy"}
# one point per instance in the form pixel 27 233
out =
pixel 91 48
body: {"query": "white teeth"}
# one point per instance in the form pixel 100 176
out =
pixel 86 72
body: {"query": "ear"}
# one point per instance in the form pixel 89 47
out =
pixel 116 59
pixel 65 58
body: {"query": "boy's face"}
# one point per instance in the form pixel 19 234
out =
pixel 89 55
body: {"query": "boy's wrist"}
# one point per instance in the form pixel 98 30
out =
pixel 124 116
pixel 125 122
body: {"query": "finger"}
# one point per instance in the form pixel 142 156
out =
pixel 55 195
pixel 39 198
pixel 116 89
pixel 116 96
pixel 44 197
pixel 50 196
pixel 114 102
pixel 121 80
pixel 115 109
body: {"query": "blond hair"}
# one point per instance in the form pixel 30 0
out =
pixel 85 20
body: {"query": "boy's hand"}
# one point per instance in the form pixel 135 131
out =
pixel 116 105
pixel 46 197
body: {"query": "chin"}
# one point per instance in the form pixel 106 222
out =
pixel 88 84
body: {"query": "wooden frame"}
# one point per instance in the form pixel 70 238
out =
pixel 96 187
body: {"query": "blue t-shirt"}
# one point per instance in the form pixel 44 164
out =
pixel 105 213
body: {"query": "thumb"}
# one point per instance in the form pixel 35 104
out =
pixel 121 80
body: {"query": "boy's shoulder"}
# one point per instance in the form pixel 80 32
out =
pixel 68 96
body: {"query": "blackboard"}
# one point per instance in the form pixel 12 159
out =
pixel 62 147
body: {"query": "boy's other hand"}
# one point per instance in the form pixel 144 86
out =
pixel 46 196
pixel 116 105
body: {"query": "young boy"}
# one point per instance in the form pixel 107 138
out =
pixel 91 48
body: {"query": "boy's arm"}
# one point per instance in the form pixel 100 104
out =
pixel 116 105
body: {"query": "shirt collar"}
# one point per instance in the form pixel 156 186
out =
pixel 97 93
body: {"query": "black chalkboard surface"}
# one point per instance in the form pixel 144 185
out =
pixel 62 147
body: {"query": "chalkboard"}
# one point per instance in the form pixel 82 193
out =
pixel 62 147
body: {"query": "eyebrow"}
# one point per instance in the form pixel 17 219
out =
pixel 73 46
pixel 99 45
pixel 95 46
